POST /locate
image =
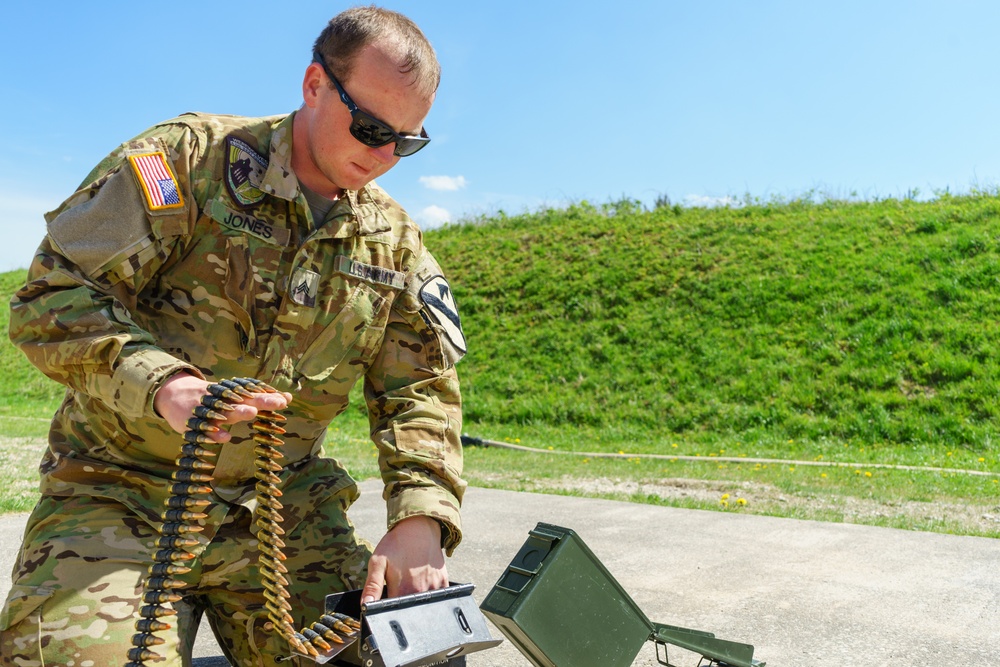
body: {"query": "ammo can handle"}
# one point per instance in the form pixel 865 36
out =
pixel 539 544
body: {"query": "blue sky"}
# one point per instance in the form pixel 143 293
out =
pixel 541 103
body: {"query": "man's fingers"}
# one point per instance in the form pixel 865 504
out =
pixel 422 579
pixel 276 401
pixel 248 409
pixel 376 580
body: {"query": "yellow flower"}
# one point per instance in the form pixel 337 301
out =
pixel 791 468
pixel 517 440
pixel 867 474
pixel 724 503
pixel 674 445
pixel 586 460
pixel 982 460
pixel 725 496
pixel 741 501
pixel 823 475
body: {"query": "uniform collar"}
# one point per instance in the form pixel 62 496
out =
pixel 279 179
pixel 361 211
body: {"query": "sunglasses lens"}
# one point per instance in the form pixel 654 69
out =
pixel 409 145
pixel 370 131
pixel 373 132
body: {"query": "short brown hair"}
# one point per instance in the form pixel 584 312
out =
pixel 353 29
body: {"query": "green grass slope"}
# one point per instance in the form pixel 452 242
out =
pixel 866 322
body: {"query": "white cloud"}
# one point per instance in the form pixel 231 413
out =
pixel 443 183
pixel 433 216
pixel 704 201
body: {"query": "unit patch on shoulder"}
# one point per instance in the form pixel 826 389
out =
pixel 245 170
pixel 156 180
pixel 439 305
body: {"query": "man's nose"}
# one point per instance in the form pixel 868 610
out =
pixel 384 153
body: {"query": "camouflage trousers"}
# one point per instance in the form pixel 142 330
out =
pixel 78 580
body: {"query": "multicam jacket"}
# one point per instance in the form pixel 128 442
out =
pixel 191 247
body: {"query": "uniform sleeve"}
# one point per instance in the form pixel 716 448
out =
pixel 73 319
pixel 415 406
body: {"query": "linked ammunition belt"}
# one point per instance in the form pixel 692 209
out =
pixel 190 494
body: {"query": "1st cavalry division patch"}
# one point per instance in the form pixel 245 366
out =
pixel 439 304
pixel 157 181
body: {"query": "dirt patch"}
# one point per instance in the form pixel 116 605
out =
pixel 759 498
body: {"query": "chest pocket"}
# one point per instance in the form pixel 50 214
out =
pixel 249 289
pixel 356 331
pixel 239 290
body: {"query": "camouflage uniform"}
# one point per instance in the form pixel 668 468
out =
pixel 192 248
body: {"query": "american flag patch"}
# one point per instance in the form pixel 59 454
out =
pixel 157 181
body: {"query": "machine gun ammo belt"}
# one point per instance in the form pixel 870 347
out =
pixel 190 493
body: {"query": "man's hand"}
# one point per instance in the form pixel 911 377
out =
pixel 179 395
pixel 409 559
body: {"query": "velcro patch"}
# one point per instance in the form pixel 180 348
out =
pixel 439 305
pixel 245 222
pixel 305 287
pixel 369 273
pixel 157 181
pixel 245 169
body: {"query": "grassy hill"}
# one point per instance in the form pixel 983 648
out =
pixel 833 331
pixel 870 322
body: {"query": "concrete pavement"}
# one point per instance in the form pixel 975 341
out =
pixel 805 594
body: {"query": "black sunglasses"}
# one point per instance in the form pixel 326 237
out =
pixel 368 129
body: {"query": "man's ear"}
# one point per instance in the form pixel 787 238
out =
pixel 313 80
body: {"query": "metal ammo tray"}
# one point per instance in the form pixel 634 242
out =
pixel 438 627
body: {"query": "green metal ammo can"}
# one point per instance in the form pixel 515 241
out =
pixel 558 604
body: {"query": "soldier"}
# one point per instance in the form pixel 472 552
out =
pixel 212 247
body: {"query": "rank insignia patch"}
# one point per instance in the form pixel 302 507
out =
pixel 305 287
pixel 157 181
pixel 245 170
pixel 439 305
